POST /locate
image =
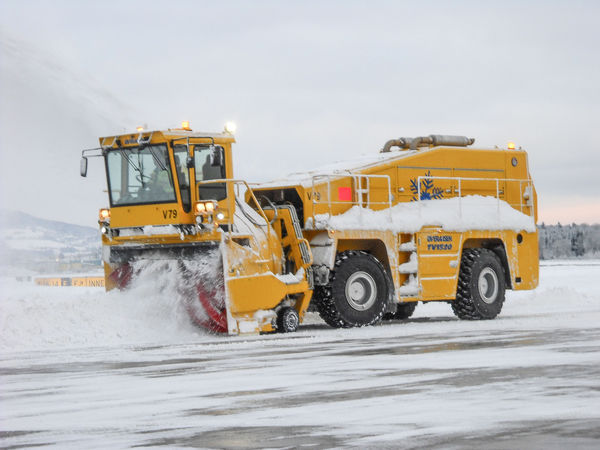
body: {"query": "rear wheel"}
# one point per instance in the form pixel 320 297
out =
pixel 357 292
pixel 480 291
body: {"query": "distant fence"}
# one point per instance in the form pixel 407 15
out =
pixel 70 281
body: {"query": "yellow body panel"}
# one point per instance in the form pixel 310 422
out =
pixel 439 254
pixel 258 292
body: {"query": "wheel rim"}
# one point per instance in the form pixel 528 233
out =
pixel 361 291
pixel 488 285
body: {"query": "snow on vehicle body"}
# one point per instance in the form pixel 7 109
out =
pixel 363 239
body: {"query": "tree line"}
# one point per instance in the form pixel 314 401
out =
pixel 569 241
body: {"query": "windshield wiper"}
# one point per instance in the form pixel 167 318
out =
pixel 157 160
pixel 131 163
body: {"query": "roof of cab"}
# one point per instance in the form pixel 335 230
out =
pixel 169 134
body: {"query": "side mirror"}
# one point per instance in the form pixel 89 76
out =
pixel 216 157
pixel 83 166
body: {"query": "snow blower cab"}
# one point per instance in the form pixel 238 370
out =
pixel 242 263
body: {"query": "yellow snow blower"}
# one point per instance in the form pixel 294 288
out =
pixel 425 219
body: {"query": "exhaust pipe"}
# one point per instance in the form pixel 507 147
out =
pixel 401 143
pixel 421 141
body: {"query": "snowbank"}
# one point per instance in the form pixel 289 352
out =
pixel 41 317
pixel 473 212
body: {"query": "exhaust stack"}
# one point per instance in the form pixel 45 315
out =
pixel 422 141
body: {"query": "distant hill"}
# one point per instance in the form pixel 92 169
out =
pixel 32 244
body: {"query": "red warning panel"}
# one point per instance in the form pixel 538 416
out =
pixel 345 194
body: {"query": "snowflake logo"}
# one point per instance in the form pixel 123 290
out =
pixel 428 190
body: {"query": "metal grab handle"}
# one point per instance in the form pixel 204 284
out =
pixel 305 242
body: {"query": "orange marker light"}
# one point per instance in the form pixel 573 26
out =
pixel 104 214
pixel 140 129
pixel 511 145
pixel 186 125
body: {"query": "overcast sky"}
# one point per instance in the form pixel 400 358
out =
pixel 306 82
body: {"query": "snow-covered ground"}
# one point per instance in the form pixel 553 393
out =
pixel 85 369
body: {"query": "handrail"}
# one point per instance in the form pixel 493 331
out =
pixel 231 204
pixel 230 198
pixel 357 178
pixel 360 191
pixel 521 181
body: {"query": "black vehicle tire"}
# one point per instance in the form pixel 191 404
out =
pixel 357 293
pixel 320 300
pixel 287 320
pixel 480 291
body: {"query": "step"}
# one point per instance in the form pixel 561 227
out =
pixel 412 266
pixel 407 247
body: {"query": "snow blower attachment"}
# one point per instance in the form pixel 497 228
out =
pixel 241 268
pixel 361 242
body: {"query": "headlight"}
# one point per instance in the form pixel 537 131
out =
pixel 104 215
pixel 202 207
pixel 220 216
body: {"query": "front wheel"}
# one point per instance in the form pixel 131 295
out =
pixel 287 320
pixel 357 292
pixel 480 291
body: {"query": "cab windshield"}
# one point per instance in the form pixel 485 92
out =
pixel 140 175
